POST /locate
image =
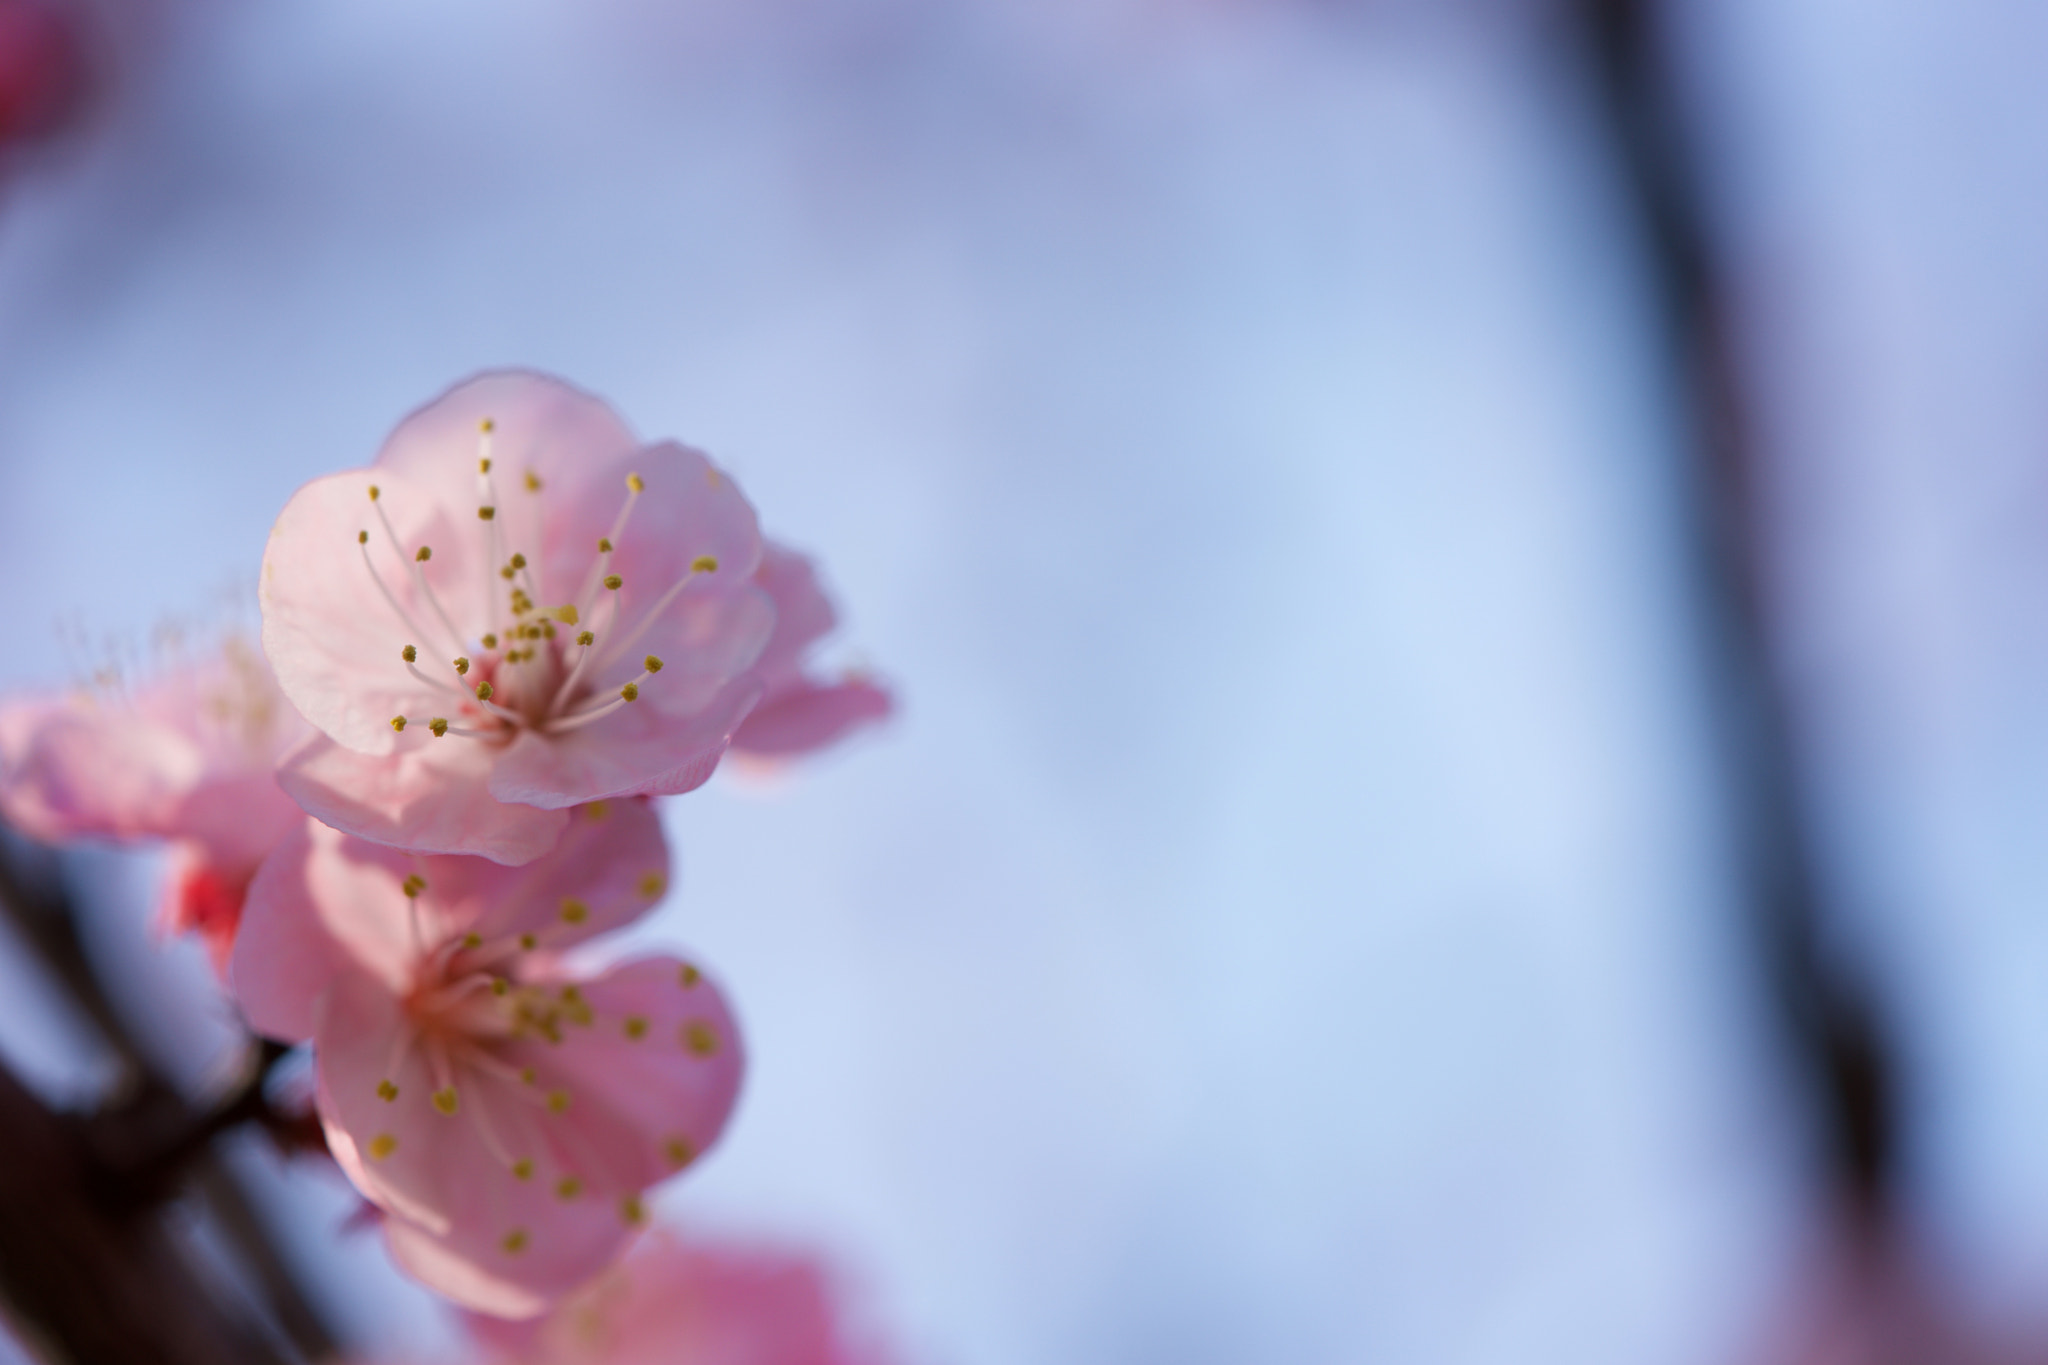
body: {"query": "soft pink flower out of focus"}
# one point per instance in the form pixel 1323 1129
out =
pixel 1867 1298
pixel 504 1112
pixel 187 757
pixel 796 713
pixel 519 608
pixel 42 68
pixel 673 1301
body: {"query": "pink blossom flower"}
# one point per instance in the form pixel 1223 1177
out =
pixel 516 610
pixel 504 1111
pixel 797 714
pixel 1868 1296
pixel 42 67
pixel 186 757
pixel 678 1301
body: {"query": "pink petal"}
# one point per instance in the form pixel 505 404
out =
pixel 434 795
pixel 611 863
pixel 672 1301
pixel 332 638
pixel 803 614
pixel 321 904
pixel 503 1286
pixel 807 717
pixel 236 818
pixel 542 426
pixel 652 1076
pixel 636 751
pixel 511 1194
pixel 76 768
pixel 687 510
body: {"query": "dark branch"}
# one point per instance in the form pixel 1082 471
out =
pixel 1827 1016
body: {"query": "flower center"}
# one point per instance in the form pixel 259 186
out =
pixel 529 667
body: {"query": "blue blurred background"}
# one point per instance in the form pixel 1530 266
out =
pixel 1291 918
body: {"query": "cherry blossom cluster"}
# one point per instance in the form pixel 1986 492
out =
pixel 482 657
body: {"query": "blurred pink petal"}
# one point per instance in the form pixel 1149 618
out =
pixel 597 593
pixel 186 757
pixel 1866 1300
pixel 42 67
pixel 507 1114
pixel 797 714
pixel 673 1301
pixel 429 798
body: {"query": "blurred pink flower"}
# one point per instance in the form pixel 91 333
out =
pixel 517 610
pixel 1867 1299
pixel 505 1112
pixel 42 67
pixel 797 714
pixel 187 757
pixel 674 1301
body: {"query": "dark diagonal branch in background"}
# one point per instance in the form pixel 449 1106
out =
pixel 1828 1019
pixel 83 1196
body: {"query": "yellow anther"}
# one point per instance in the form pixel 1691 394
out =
pixel 518 561
pixel 374 492
pixel 679 1151
pixel 409 654
pixel 635 484
pixel 483 466
pixel 506 573
pixel 382 1145
pixel 462 665
pixel 568 1187
pixel 486 513
pixel 487 426
pixel 413 885
pixel 439 725
pixel 632 1211
pixel 572 995
pixel 636 1027
pixel 490 642
pixel 604 545
pixel 386 1091
pixel 704 564
pixel 515 1241
pixel 526 1074
pixel 689 976
pixel 585 638
pixel 444 1099
pixel 597 810
pixel 472 941
pixel 424 553
pixel 547 628
pixel 651 664
pixel 362 537
pixel 522 1169
pixel 614 582
pixel 483 691
pixel 652 884
pixel 573 912
pixel 398 724
pixel 631 691
pixel 527 942
pixel 532 482
pixel 700 1038
pixel 711 476
pixel 558 1101
pixel 499 985
pixel 567 614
